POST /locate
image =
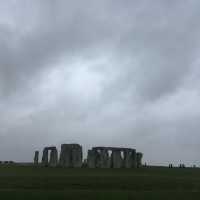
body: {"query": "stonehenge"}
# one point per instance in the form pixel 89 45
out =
pixel 99 157
pixel 71 156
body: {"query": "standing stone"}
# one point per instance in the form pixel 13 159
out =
pixel 76 156
pixel 128 161
pixel 104 159
pixel 45 157
pixel 134 158
pixel 91 159
pixel 71 155
pixel 117 161
pixel 53 157
pixel 98 158
pixel 139 156
pixel 65 155
pixel 36 157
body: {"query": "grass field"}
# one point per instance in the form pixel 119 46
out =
pixel 18 182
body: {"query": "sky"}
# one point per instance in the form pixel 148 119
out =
pixel 101 73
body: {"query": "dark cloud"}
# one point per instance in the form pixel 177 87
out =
pixel 100 73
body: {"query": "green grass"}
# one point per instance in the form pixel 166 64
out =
pixel 17 182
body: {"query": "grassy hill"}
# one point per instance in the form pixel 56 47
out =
pixel 28 182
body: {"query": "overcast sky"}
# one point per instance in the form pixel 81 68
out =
pixel 108 72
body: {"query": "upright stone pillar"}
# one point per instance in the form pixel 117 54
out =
pixel 130 158
pixel 99 157
pixel 134 158
pixel 117 161
pixel 76 156
pixel 91 159
pixel 36 157
pixel 71 155
pixel 45 157
pixel 104 159
pixel 98 161
pixel 53 157
pixel 127 159
pixel 65 155
pixel 139 156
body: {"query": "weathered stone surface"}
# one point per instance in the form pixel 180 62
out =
pixel 65 155
pixel 53 157
pixel 76 155
pixel 99 157
pixel 134 158
pixel 117 161
pixel 36 157
pixel 45 157
pixel 130 158
pixel 71 155
pixel 139 156
pixel 105 161
pixel 91 159
pixel 112 148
